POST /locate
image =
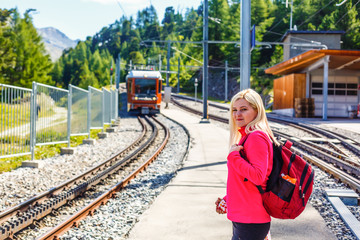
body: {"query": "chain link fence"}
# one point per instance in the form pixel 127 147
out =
pixel 47 115
pixel 15 121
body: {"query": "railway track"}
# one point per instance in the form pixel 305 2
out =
pixel 30 212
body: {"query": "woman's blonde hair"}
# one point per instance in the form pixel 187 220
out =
pixel 259 123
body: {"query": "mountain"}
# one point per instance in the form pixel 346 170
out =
pixel 55 41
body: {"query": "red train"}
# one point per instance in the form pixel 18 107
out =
pixel 144 91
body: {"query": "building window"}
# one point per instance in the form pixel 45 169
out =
pixel 340 92
pixel 317 85
pixel 352 86
pixel 340 85
pixel 338 89
pixel 351 92
pixel 317 91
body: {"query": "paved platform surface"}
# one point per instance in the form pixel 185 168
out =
pixel 185 209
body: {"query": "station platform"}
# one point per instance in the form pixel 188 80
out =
pixel 185 210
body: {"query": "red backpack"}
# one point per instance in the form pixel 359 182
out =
pixel 289 185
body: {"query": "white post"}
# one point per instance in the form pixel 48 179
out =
pixel 325 87
pixel 226 81
pixel 196 84
pixel 245 61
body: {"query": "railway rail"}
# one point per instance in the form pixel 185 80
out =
pixel 27 213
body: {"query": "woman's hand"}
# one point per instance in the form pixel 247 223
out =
pixel 235 147
pixel 219 210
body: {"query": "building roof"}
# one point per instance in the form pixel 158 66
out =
pixel 309 32
pixel 143 74
pixel 339 59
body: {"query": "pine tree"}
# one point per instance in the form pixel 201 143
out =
pixel 218 17
pixel 31 63
pixel 7 55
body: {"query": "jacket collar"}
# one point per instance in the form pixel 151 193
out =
pixel 242 131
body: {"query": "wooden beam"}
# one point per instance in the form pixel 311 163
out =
pixel 297 63
pixel 305 58
pixel 348 63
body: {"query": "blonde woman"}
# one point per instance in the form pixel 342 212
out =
pixel 243 201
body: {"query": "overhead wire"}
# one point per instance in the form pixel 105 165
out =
pixel 347 12
pixel 270 30
pixel 315 13
pixel 121 7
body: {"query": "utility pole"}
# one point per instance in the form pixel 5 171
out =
pixel 226 81
pixel 111 74
pixel 178 83
pixel 245 60
pixel 167 92
pixel 291 12
pixel 205 117
pixel 118 71
pixel 196 84
pixel 168 64
pixel 159 62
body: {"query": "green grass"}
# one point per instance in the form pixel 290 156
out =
pixel 46 151
pixel 13 115
pixel 17 114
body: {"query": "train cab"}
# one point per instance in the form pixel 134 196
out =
pixel 144 91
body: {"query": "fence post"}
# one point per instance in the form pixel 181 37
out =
pixel 89 112
pixel 103 109
pixel 33 105
pixel 111 104
pixel 117 103
pixel 69 114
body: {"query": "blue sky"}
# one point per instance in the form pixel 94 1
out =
pixel 80 18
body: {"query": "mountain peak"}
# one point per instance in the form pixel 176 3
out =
pixel 55 41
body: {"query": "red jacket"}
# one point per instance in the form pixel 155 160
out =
pixel 243 199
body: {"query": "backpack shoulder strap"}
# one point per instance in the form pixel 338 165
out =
pixel 288 144
pixel 245 138
pixel 258 186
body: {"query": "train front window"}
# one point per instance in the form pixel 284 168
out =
pixel 145 87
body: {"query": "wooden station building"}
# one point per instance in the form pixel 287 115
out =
pixel 327 79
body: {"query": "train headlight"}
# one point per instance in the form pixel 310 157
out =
pixel 154 98
pixel 136 98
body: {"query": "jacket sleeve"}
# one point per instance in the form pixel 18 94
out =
pixel 254 168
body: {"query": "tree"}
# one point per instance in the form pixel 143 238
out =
pixel 87 78
pixel 7 55
pixel 57 73
pixel 137 58
pixel 29 60
pixel 271 18
pixel 168 21
pixel 218 17
pixel 190 24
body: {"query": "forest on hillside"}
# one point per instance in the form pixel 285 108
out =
pixel 141 41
